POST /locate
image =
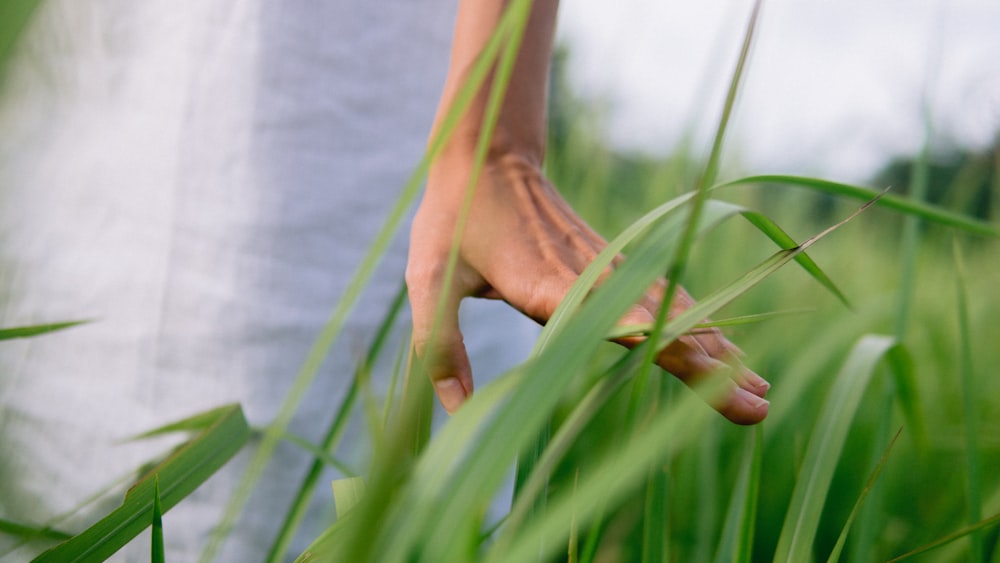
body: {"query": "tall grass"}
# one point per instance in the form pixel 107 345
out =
pixel 634 467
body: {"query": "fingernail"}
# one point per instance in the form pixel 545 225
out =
pixel 758 382
pixel 451 393
pixel 753 400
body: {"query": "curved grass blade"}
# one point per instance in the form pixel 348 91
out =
pixel 825 445
pixel 839 546
pixel 585 283
pixel 905 205
pixel 782 239
pixel 178 476
pixel 35 330
pixel 704 308
pixel 195 423
pixel 977 527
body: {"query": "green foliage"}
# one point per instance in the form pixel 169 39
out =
pixel 164 486
pixel 632 466
pixel 36 330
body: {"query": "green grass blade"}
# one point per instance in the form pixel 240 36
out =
pixel 655 517
pixel 704 308
pixel 14 18
pixel 783 240
pixel 178 476
pixel 618 473
pixel 195 423
pixel 29 533
pixel 676 268
pixel 795 543
pixel 35 330
pixel 347 493
pixel 969 390
pixel 322 455
pixel 898 203
pixel 297 511
pixel 980 526
pixel 842 539
pixel 157 554
pixel 904 391
pixel 736 542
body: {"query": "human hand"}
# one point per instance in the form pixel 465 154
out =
pixel 524 244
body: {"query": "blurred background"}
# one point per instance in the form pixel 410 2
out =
pixel 881 94
pixel 835 88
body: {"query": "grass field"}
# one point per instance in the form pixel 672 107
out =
pixel 884 430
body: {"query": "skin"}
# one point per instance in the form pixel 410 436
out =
pixel 522 242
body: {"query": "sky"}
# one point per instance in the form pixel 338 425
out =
pixel 834 88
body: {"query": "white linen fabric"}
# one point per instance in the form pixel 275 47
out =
pixel 202 178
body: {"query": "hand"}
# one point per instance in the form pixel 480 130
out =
pixel 525 245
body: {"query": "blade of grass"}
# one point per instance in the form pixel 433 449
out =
pixel 783 240
pixel 616 474
pixel 29 533
pixel 297 510
pixel 675 271
pixel 898 203
pixel 568 432
pixel 825 445
pixel 704 308
pixel 736 542
pixel 178 476
pixel 322 455
pixel 347 493
pixel 35 330
pixel 655 514
pixel 972 463
pixel 157 554
pixel 871 520
pixel 195 423
pixel 977 527
pixel 102 493
pixel 14 18
pixel 842 539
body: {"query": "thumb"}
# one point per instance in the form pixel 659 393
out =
pixel 438 342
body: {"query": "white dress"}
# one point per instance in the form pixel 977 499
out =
pixel 202 178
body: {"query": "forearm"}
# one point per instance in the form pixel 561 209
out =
pixel 521 126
